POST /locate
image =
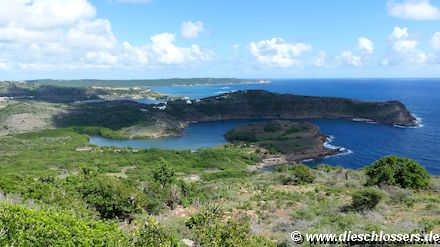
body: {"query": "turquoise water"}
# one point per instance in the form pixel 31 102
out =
pixel 364 142
pixel 200 135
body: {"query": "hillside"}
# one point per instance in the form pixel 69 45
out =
pixel 133 119
pixel 297 141
pixel 57 189
pixel 64 94
pixel 251 104
pixel 139 83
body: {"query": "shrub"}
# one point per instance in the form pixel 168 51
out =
pixel 366 199
pixel 164 174
pixel 30 227
pixel 151 233
pixel 299 174
pixel 210 229
pixel 112 197
pixel 399 171
pixel 233 136
pixel 272 127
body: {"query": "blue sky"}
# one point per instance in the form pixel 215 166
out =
pixel 124 39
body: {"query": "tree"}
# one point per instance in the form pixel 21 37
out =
pixel 366 199
pixel 394 170
pixel 112 198
pixel 164 174
pixel 299 174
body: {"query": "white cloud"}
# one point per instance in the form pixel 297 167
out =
pixel 3 65
pixel 365 45
pixel 435 41
pixel 134 55
pixel 101 57
pixel 348 58
pixel 278 53
pixel 320 60
pixel 191 30
pixel 166 52
pixel 365 48
pixel 65 34
pixel 14 34
pixel 44 14
pixel 401 40
pixel 95 34
pixel 413 10
pixel 133 1
pixel 404 46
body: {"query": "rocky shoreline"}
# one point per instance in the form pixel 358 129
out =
pixel 283 141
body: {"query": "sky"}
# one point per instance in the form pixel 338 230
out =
pixel 146 39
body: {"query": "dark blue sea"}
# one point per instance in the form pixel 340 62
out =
pixel 364 143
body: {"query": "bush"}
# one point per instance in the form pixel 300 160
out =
pixel 151 233
pixel 366 199
pixel 30 227
pixel 164 174
pixel 299 174
pixel 272 127
pixel 112 197
pixel 399 171
pixel 234 136
pixel 210 229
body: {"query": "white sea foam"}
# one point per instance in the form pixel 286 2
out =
pixel 307 160
pixel 419 123
pixel 342 150
pixel 364 120
pixel 221 92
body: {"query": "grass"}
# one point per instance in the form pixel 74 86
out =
pixel 44 169
pixel 59 151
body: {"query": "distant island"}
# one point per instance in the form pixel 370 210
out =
pixel 146 83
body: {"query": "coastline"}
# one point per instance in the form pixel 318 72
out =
pixel 221 84
pixel 328 150
pixel 418 123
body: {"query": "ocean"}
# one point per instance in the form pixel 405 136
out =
pixel 363 142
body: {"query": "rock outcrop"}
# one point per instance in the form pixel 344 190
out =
pixel 252 104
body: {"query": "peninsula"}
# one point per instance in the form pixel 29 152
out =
pixel 296 141
pixel 134 120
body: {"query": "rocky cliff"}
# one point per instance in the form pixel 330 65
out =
pixel 262 104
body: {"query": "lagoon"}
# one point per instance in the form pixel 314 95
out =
pixel 197 135
pixel 365 142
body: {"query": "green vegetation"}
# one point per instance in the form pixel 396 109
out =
pixel 366 199
pixel 234 135
pixel 137 83
pixel 24 116
pixel 151 233
pixel 297 140
pixel 58 190
pixel 113 115
pixel 111 197
pixel 54 93
pixel 211 229
pixel 277 134
pixel 400 171
pixel 299 174
pixel 24 226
